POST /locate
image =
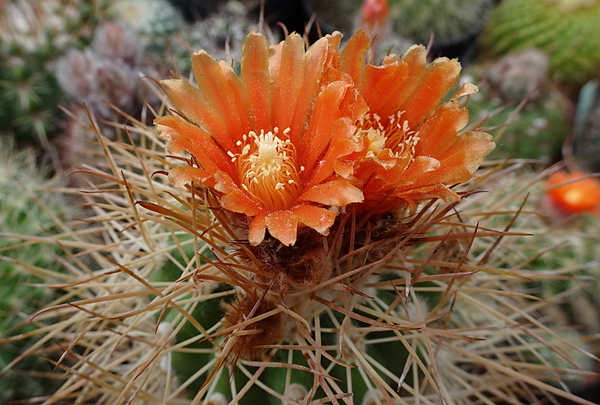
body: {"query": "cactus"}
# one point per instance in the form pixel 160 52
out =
pixel 26 208
pixel 170 280
pixel 586 128
pixel 154 21
pixel 565 30
pixel 32 35
pixel 106 73
pixel 164 34
pixel 169 300
pixel 28 103
pixel 449 21
pixel 529 118
pixel 220 34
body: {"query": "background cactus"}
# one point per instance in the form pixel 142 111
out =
pixel 586 128
pixel 565 30
pixel 27 208
pixel 449 21
pixel 108 73
pixel 32 35
pixel 528 116
pixel 29 100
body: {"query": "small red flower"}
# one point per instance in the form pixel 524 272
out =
pixel 574 196
pixel 374 13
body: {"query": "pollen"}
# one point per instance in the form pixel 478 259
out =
pixel 267 167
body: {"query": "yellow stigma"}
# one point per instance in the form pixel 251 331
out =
pixel 267 168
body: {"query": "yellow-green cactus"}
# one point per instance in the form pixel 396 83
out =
pixel 566 30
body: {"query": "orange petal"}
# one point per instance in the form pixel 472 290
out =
pixel 441 75
pixel 475 146
pixel 380 84
pixel 339 147
pixel 459 162
pixel 354 55
pixel 256 230
pixel 337 192
pixel 283 226
pixel 320 219
pixel 329 120
pixel 415 59
pixel 193 139
pixel 439 132
pixel 234 198
pixel 222 89
pixel 315 60
pixel 184 174
pixel 188 101
pixel 287 80
pixel 401 178
pixel 256 78
pixel 238 201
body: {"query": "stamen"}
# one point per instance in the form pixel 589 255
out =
pixel 267 168
pixel 395 137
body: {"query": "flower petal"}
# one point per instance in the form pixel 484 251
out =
pixel 337 192
pixel 256 230
pixel 238 201
pixel 184 174
pixel 316 59
pixel 183 136
pixel 461 160
pixel 320 219
pixel 354 55
pixel 283 226
pixel 439 132
pixel 441 75
pixel 339 148
pixel 256 78
pixel 333 117
pixel 415 59
pixel 233 197
pixel 288 68
pixel 222 89
pixel 382 83
pixel 189 102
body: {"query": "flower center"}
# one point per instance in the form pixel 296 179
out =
pixel 396 137
pixel 267 168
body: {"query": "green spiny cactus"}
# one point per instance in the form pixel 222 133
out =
pixel 449 21
pixel 32 35
pixel 26 207
pixel 528 117
pixel 154 21
pixel 29 100
pixel 565 30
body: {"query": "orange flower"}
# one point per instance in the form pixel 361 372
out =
pixel 413 150
pixel 576 196
pixel 270 142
